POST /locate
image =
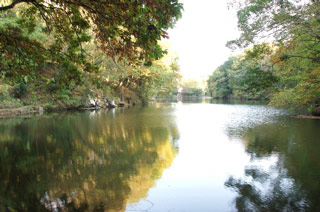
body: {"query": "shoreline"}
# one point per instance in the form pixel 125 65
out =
pixel 11 112
pixel 307 117
pixel 32 109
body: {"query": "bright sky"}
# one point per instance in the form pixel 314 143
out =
pixel 200 36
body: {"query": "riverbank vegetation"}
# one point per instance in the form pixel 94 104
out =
pixel 285 70
pixel 189 87
pixel 58 54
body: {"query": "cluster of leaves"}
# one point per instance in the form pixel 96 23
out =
pixel 50 43
pixel 243 77
pixel 191 88
pixel 26 49
pixel 6 98
pixel 294 28
pixel 136 81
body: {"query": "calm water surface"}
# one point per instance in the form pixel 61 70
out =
pixel 179 157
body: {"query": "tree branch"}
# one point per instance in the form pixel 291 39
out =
pixel 12 5
pixel 304 57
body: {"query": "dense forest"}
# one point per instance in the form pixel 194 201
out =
pixel 61 53
pixel 281 62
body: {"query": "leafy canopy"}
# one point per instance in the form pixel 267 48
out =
pixel 121 26
pixel 294 28
pixel 34 32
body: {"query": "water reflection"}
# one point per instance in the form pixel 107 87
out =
pixel 91 161
pixel 284 170
pixel 231 158
pixel 210 100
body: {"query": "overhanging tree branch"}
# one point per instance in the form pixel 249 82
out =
pixel 302 57
pixel 12 5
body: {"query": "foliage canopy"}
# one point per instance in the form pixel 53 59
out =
pixel 293 27
pixel 58 45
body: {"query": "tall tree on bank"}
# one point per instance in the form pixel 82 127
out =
pixel 244 77
pixel 120 28
pixel 294 27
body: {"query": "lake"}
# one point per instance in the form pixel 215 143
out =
pixel 166 157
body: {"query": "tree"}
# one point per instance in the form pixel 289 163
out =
pixel 219 81
pixel 294 27
pixel 137 81
pixel 283 20
pixel 121 29
pixel 120 26
pixel 191 88
pixel 243 77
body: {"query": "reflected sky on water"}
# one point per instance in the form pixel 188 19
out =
pixel 233 157
pixel 165 157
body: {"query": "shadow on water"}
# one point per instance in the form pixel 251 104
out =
pixel 90 161
pixel 284 170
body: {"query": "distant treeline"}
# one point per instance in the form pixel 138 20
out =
pixel 287 70
pixel 241 79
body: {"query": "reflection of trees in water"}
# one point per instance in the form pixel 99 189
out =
pixel 267 191
pixel 88 163
pixel 291 183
